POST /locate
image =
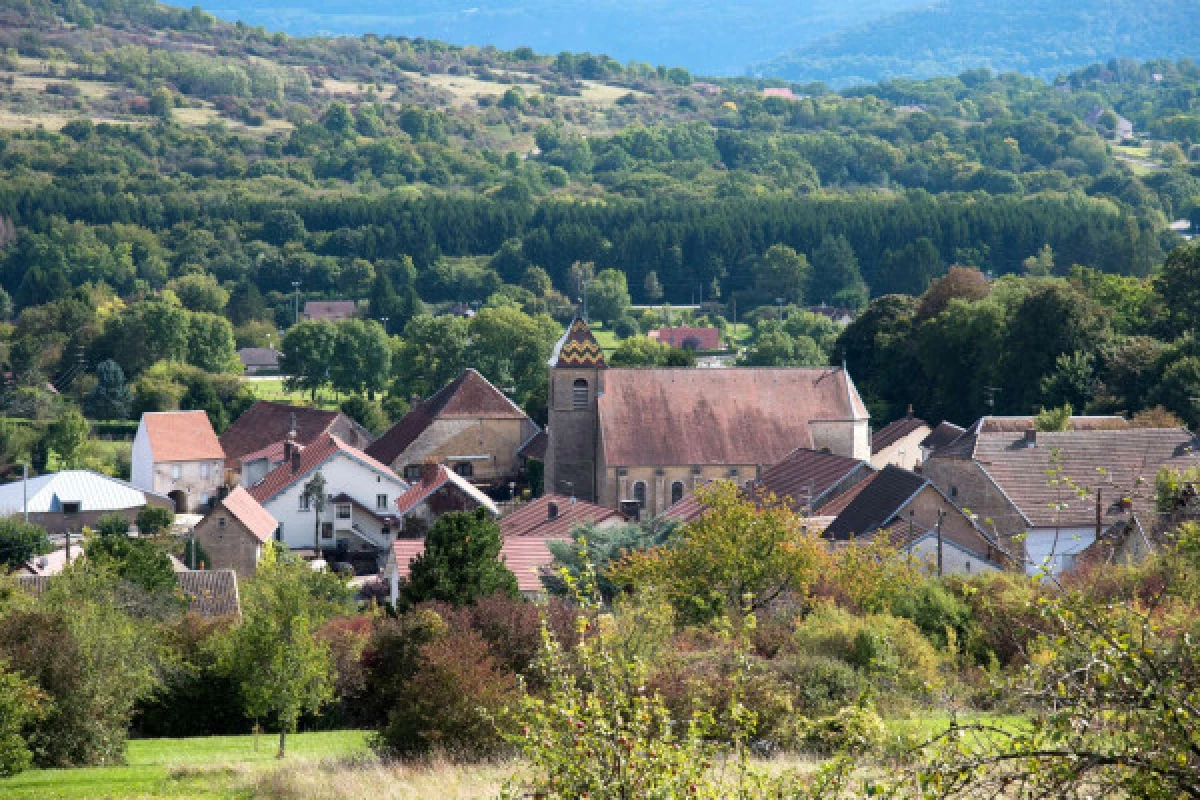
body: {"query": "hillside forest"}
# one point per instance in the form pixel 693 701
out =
pixel 175 188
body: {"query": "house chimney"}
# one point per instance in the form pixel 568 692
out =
pixel 552 511
pixel 429 470
pixel 297 451
pixel 1031 437
pixel 289 442
pixel 910 411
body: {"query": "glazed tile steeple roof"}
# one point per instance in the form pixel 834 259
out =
pixel 578 348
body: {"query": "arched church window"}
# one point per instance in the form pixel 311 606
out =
pixel 676 492
pixel 639 493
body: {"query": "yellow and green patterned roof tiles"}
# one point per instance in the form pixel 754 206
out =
pixel 579 347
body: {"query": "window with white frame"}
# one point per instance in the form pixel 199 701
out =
pixel 343 511
pixel 304 502
pixel 176 472
pixel 381 502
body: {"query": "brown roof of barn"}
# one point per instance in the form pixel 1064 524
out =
pixel 266 423
pixel 469 396
pixel 554 516
pixel 665 417
pixel 210 593
pixel 893 432
pixel 877 503
pixel 246 510
pixel 806 477
pixel 1118 463
pixel 964 445
pixel 942 435
pixel 181 436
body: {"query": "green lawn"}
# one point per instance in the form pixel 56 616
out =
pixel 201 768
pixel 272 389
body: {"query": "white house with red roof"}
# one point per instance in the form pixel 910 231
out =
pixel 360 497
pixel 177 454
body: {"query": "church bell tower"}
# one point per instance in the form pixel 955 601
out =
pixel 576 382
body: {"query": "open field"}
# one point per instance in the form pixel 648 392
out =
pixel 202 768
pixel 273 389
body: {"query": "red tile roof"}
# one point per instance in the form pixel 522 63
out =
pixel 181 436
pixel 246 510
pixel 686 510
pixel 691 338
pixel 429 484
pixel 469 396
pixel 330 310
pixel 535 518
pixel 266 423
pixel 527 557
pixel 578 348
pixel 311 457
pixel 805 476
pixel 670 417
pixel 893 432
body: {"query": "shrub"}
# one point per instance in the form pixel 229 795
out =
pixel 890 650
pixel 452 703
pixel 933 608
pixel 20 702
pixel 625 327
pixel 822 684
pixel 152 520
pixel 853 729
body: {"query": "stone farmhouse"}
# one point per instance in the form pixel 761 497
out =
pixel 638 440
pixel 234 532
pixel 468 425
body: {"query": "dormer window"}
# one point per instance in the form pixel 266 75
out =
pixel 579 394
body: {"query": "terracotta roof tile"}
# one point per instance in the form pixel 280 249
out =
pixel 243 507
pixel 429 484
pixel 266 423
pixel 806 476
pixel 469 396
pixel 311 457
pixel 693 338
pixel 527 557
pixel 330 310
pixel 669 417
pixel 535 518
pixel 181 436
pixel 893 432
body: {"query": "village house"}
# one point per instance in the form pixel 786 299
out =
pixel 899 443
pixel 253 444
pixel 526 535
pixel 72 499
pixel 177 454
pixel 945 433
pixel 468 425
pixel 807 480
pixel 1047 496
pixel 639 439
pixel 329 310
pixel 259 360
pixel 359 515
pixel 232 535
pixel 438 491
pixel 913 514
pixel 688 338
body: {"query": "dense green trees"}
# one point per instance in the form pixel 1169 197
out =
pixel 460 562
pixel 20 541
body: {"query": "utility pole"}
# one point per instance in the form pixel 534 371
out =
pixel 25 491
pixel 585 283
pixel 991 392
pixel 940 516
pixel 296 301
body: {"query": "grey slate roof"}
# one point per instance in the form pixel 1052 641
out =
pixel 210 593
pixel 888 492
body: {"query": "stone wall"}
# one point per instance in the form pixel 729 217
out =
pixel 227 543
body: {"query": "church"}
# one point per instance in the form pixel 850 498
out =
pixel 639 439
